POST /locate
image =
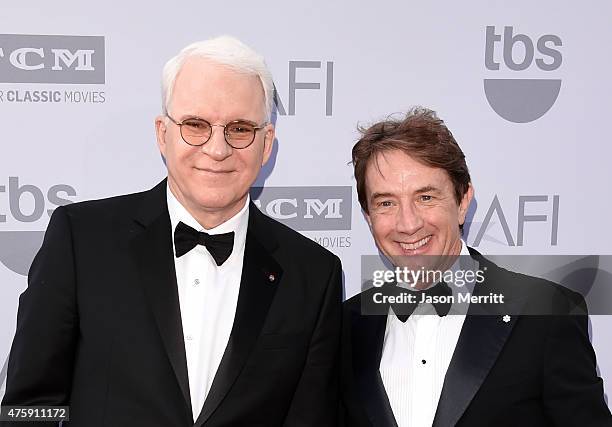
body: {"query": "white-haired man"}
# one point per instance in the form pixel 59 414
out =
pixel 184 305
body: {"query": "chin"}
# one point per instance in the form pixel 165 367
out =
pixel 214 203
pixel 217 199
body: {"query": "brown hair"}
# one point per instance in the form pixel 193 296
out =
pixel 421 135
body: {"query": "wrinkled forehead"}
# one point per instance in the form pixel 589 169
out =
pixel 395 171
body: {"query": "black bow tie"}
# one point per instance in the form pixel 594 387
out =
pixel 219 245
pixel 404 310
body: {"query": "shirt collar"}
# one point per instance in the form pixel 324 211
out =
pixel 464 249
pixel 463 262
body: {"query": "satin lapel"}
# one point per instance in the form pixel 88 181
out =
pixel 481 340
pixel 261 275
pixel 152 250
pixel 368 334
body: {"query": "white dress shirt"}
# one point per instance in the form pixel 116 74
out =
pixel 415 358
pixel 208 295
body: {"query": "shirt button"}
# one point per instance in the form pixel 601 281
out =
pixel 196 282
pixel 188 337
pixel 423 361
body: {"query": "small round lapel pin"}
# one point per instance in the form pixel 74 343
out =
pixel 271 278
pixel 506 318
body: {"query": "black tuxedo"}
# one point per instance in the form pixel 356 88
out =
pixel 99 326
pixel 534 370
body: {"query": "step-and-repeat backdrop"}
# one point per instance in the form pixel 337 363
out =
pixel 525 88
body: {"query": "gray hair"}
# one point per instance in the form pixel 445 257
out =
pixel 225 50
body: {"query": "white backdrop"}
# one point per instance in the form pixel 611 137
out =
pixel 539 128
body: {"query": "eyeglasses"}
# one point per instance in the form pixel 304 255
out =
pixel 238 133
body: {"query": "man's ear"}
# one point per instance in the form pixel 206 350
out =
pixel 465 203
pixel 160 133
pixel 268 143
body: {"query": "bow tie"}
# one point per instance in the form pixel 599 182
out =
pixel 404 310
pixel 219 245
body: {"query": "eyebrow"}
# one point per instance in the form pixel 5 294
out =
pixel 189 116
pixel 193 116
pixel 428 189
pixel 375 196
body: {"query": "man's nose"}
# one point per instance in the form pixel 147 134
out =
pixel 217 147
pixel 409 219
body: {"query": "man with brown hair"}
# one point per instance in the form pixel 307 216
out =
pixel 435 362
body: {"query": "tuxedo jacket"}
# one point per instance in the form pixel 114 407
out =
pixel 99 326
pixel 537 369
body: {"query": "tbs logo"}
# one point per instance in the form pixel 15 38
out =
pixel 521 100
pixel 26 204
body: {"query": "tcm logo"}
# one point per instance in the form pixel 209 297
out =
pixel 26 203
pixel 306 208
pixel 51 59
pixel 521 100
pixel 324 75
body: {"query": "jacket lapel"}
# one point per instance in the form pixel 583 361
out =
pixel 368 334
pixel 152 250
pixel 481 340
pixel 261 275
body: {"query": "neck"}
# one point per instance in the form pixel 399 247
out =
pixel 213 218
pixel 209 217
pixel 441 264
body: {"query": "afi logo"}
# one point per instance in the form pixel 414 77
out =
pixel 521 100
pixel 323 74
pixel 51 59
pixel 306 208
pixel 549 215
